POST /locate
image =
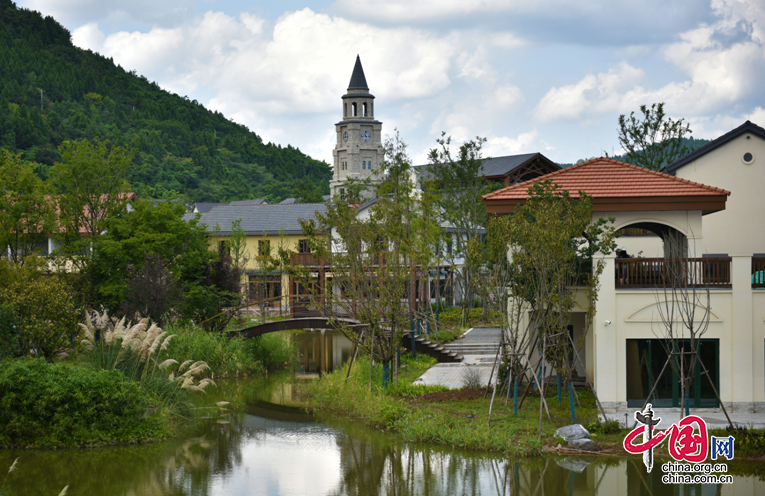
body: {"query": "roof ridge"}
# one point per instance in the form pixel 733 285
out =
pixel 550 175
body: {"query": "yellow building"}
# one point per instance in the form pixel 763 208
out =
pixel 269 230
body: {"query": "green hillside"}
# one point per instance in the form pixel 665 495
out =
pixel 181 146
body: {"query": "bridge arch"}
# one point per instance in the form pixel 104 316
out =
pixel 293 324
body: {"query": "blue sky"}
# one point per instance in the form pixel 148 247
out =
pixel 549 75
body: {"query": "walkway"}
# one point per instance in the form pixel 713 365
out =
pixel 715 418
pixel 478 347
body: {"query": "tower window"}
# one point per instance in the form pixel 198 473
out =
pixel 364 164
pixel 353 109
pixel 345 110
pixel 364 108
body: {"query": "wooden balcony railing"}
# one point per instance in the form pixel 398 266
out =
pixel 307 259
pixel 681 272
pixel 758 272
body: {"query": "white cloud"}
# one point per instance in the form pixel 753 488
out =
pixel 603 92
pixel 724 64
pixel 498 146
pixel 88 37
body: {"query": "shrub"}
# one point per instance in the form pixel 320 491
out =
pixel 43 404
pixel 39 313
pixel 607 427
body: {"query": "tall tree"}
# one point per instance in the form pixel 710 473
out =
pixel 461 182
pixel 27 215
pixel 377 256
pixel 655 140
pixel 92 184
pixel 553 239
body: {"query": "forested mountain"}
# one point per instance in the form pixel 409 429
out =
pixel 691 143
pixel 52 91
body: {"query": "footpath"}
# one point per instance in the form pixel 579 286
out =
pixel 478 347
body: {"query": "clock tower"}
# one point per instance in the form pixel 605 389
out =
pixel 358 150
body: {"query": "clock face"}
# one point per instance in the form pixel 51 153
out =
pixel 345 136
pixel 365 135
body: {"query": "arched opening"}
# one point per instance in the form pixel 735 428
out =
pixel 674 243
pixel 353 109
pixel 364 109
pixel 345 110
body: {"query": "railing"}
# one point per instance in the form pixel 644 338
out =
pixel 678 272
pixel 307 259
pixel 758 272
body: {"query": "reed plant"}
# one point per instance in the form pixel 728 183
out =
pixel 139 351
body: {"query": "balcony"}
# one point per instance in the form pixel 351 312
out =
pixel 307 260
pixel 711 272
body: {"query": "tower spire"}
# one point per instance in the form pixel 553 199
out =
pixel 358 81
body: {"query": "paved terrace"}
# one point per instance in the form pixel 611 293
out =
pixel 478 346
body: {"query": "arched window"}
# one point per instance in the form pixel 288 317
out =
pixel 345 110
pixel 364 164
pixel 353 109
pixel 364 108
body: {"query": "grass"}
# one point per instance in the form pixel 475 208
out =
pixel 460 423
pixel 452 317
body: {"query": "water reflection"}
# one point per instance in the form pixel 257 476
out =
pixel 272 447
pixel 321 351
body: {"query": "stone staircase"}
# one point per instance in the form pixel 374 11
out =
pixel 426 347
pixel 472 348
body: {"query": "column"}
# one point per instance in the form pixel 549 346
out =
pixel 742 347
pixel 605 342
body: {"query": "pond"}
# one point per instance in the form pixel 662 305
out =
pixel 269 446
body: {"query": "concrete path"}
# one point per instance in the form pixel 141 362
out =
pixel 478 346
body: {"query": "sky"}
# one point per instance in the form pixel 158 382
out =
pixel 549 76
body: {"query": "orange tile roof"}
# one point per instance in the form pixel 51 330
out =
pixel 608 178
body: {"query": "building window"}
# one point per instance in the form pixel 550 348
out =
pixel 265 287
pixel 364 109
pixel 647 357
pixel 353 109
pixel 303 246
pixel 345 110
pixel 364 164
pixel 342 193
pixel 264 247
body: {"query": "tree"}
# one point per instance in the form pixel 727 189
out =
pixel 553 240
pixel 91 182
pixel 198 282
pixel 27 215
pixel 376 257
pixel 306 191
pixel 41 308
pixel 654 141
pixel 461 183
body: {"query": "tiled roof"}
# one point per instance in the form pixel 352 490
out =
pixel 495 166
pixel 358 81
pixel 260 219
pixel 206 207
pixel 608 178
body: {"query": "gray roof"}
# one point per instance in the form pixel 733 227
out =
pixel 358 81
pixel 256 201
pixel 260 219
pixel 288 201
pixel 206 207
pixel 747 127
pixel 496 166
